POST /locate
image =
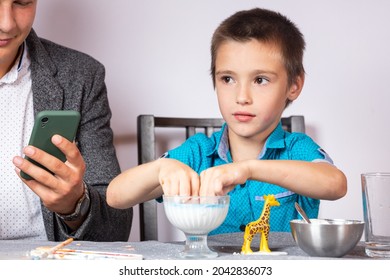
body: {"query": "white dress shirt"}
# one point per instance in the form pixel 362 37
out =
pixel 20 208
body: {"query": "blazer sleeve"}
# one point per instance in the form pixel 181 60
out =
pixel 95 141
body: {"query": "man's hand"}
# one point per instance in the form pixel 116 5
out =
pixel 61 191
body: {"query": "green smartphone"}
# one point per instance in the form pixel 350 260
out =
pixel 48 123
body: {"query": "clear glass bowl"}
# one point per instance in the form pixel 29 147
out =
pixel 196 216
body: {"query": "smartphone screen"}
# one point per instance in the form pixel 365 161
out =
pixel 47 124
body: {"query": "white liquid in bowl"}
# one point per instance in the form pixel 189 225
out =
pixel 196 218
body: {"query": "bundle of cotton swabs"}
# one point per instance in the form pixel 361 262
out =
pixel 39 254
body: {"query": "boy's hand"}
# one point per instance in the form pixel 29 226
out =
pixel 219 180
pixel 176 178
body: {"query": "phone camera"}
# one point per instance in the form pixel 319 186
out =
pixel 44 121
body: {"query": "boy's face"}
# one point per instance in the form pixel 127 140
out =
pixel 252 87
pixel 16 19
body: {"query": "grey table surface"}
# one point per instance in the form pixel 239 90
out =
pixel 228 247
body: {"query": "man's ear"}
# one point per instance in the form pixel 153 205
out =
pixel 296 87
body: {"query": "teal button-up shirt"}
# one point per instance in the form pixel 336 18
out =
pixel 246 201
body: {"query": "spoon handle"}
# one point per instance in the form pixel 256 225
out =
pixel 302 213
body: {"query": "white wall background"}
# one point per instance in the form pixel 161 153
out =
pixel 156 54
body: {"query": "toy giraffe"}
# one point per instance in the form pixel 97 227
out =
pixel 259 226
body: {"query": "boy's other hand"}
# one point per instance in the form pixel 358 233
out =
pixel 176 178
pixel 219 180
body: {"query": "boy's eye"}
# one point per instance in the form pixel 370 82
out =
pixel 261 80
pixel 227 79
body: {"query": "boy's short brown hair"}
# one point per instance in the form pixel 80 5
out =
pixel 265 26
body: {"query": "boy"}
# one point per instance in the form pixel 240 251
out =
pixel 257 71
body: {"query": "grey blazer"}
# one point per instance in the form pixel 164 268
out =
pixel 65 79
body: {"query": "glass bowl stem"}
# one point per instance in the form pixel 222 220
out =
pixel 196 247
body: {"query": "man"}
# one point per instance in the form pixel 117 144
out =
pixel 37 75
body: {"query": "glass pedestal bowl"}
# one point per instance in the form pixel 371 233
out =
pixel 196 216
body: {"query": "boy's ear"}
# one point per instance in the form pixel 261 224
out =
pixel 296 87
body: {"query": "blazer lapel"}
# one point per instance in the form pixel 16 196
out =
pixel 47 92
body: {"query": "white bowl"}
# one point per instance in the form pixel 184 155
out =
pixel 196 215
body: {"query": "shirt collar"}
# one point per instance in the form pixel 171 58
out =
pixel 274 141
pixel 223 146
pixel 21 56
pixel 12 75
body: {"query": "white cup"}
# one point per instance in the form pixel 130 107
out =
pixel 376 210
